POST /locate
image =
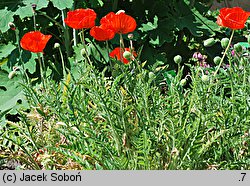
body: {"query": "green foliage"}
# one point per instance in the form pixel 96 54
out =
pixel 102 114
pixel 11 93
pixel 5 50
pixel 61 5
pixel 6 17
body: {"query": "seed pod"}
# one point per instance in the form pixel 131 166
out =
pixel 217 60
pixel 178 59
pixel 224 42
pixel 209 42
pixel 127 55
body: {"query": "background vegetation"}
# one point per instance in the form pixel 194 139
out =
pixel 156 115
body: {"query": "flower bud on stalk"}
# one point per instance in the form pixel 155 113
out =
pixel 238 47
pixel 224 43
pixel 183 82
pixel 217 60
pixel 151 75
pixel 34 7
pixel 178 59
pixel 12 26
pixel 130 36
pixel 209 42
pixel 56 45
pixel 83 52
pixel 13 72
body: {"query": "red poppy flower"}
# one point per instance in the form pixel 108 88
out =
pixel 234 18
pixel 102 34
pixel 117 53
pixel 80 18
pixel 119 22
pixel 34 41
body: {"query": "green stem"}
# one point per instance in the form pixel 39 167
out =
pixel 121 47
pixel 51 19
pixel 63 63
pixel 66 35
pixel 107 48
pixel 25 75
pixel 222 59
pixel 85 47
pixel 34 19
pixel 99 51
pixel 41 69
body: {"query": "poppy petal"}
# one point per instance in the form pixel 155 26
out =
pixel 34 41
pixel 119 22
pixel 80 18
pixel 102 34
pixel 234 18
pixel 118 52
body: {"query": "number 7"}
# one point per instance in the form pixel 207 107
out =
pixel 244 174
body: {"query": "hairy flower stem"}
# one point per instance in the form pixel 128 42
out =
pixel 25 75
pixel 225 52
pixel 122 48
pixel 63 63
pixel 85 47
pixel 99 51
pixel 107 48
pixel 41 69
pixel 66 35
pixel 34 19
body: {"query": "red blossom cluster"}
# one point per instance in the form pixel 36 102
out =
pixel 118 23
pixel 110 25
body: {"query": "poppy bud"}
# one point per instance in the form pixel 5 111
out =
pixel 183 82
pixel 83 52
pixel 205 78
pixel 224 42
pixel 178 59
pixel 12 74
pixel 151 75
pixel 12 26
pixel 217 60
pixel 238 47
pixel 127 55
pixel 34 6
pixel 130 36
pixel 248 39
pixel 56 45
pixel 209 42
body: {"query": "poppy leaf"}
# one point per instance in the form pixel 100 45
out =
pixel 61 5
pixel 11 93
pixel 5 50
pixel 150 26
pixel 24 11
pixel 6 16
pixel 39 3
